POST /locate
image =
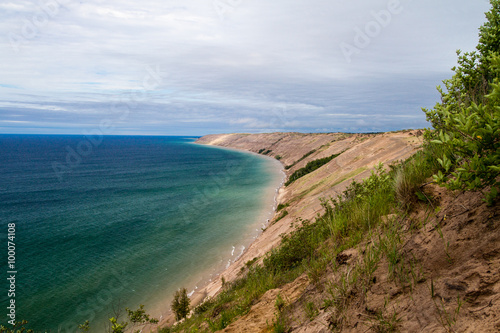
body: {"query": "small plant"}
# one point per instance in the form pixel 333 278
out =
pixel 83 327
pixel 280 303
pixel 300 159
pixel 383 324
pixel 117 327
pixel 311 310
pixel 446 243
pixel 467 121
pixel 18 327
pixel 204 307
pixel 221 323
pixel 180 304
pixel 279 322
pixel 446 318
pixel 140 316
pixel 281 206
pixel 317 268
pixel 310 167
pixel 282 215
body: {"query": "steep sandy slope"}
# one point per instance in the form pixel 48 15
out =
pixel 449 278
pixel 359 154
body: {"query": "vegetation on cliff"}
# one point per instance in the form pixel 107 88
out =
pixel 461 152
pixel 467 121
pixel 310 167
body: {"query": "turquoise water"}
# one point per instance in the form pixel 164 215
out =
pixel 122 221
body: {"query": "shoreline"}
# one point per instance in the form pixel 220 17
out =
pixel 211 282
pixel 357 155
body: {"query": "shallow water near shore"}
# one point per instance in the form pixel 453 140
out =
pixel 104 225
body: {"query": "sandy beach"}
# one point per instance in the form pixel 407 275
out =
pixel 361 153
pixel 209 282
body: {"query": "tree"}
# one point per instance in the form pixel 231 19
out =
pixel 85 327
pixel 137 317
pixel 467 121
pixel 117 327
pixel 180 304
pixel 18 327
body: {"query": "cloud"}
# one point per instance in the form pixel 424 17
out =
pixel 65 63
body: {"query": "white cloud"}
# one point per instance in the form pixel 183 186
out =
pixel 257 57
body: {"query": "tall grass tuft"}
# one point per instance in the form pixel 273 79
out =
pixel 412 173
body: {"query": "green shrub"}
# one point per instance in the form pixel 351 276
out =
pixel 17 327
pixel 281 206
pixel 282 215
pixel 467 121
pixel 301 159
pixel 180 304
pixel 411 174
pixel 310 167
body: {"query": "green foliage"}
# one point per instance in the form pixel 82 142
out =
pixel 117 327
pixel 300 159
pixel 18 327
pixel 297 247
pixel 310 248
pixel 467 121
pixel 311 310
pixel 489 35
pixel 282 215
pixel 281 206
pixel 180 304
pixel 140 316
pixel 84 327
pixel 280 303
pixel 278 157
pixel 137 317
pixel 310 167
pixel 473 141
pixel 263 151
pixel 204 307
pixel 412 173
pixel 385 324
pixel 221 323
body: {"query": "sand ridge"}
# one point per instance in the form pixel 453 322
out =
pixel 360 153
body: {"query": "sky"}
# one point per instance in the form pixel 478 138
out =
pixel 196 67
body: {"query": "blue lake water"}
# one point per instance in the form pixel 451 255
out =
pixel 118 221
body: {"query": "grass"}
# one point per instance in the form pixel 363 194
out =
pixel 310 167
pixel 446 318
pixel 384 324
pixel 300 159
pixel 349 220
pixel 282 215
pixel 411 174
pixel 281 206
pixel 311 310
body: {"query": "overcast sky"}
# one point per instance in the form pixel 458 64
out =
pixel 195 67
